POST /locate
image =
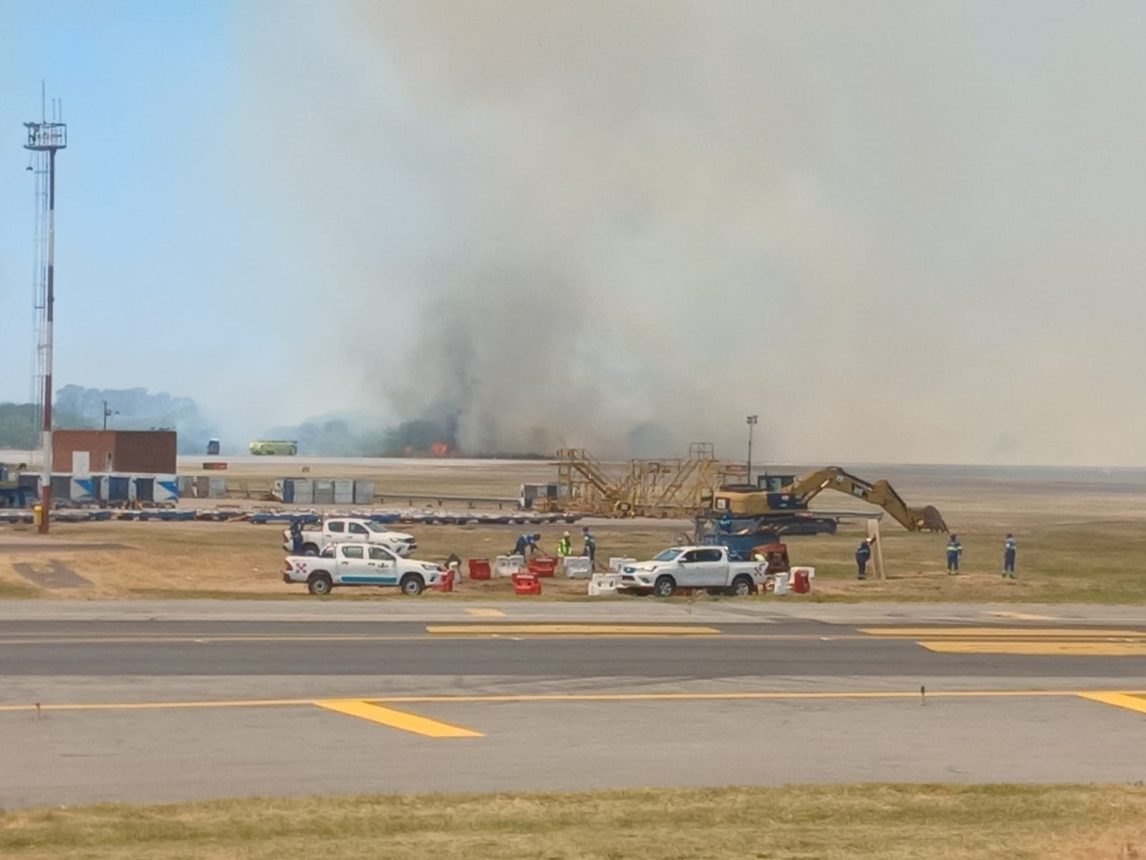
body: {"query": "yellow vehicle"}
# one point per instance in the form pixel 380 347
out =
pixel 276 448
pixel 781 495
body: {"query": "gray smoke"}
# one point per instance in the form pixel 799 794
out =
pixel 897 231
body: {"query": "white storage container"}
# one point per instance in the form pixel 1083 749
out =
pixel 363 492
pixel 323 491
pixel 343 491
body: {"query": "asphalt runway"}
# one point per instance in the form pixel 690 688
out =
pixel 405 649
pixel 476 698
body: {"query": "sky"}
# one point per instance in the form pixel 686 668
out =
pixel 897 231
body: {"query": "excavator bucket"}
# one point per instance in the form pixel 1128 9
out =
pixel 928 519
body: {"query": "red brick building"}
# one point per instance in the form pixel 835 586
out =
pixel 150 452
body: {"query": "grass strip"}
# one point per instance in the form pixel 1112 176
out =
pixel 842 821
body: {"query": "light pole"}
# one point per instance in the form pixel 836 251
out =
pixel 107 413
pixel 47 138
pixel 752 421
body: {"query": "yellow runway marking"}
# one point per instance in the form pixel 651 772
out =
pixel 1022 616
pixel 1119 700
pixel 722 697
pixel 396 719
pixel 1003 632
pixel 763 695
pixel 1038 648
pixel 485 613
pixel 569 630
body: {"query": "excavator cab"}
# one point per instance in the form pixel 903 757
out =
pixel 774 483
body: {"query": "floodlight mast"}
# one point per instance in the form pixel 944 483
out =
pixel 45 139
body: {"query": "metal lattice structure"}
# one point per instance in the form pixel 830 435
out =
pixel 45 139
pixel 39 165
pixel 648 488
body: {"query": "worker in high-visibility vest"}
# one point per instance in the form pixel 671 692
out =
pixel 565 546
pixel 954 551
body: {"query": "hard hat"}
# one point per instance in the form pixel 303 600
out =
pixel 566 534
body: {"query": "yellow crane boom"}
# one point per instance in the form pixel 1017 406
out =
pixel 807 487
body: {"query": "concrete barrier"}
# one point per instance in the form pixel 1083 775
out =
pixel 604 584
pixel 508 565
pixel 578 567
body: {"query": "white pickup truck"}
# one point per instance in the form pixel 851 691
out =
pixel 336 530
pixel 705 567
pixel 361 564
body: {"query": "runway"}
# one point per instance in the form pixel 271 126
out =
pixel 475 698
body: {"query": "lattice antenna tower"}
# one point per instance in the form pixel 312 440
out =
pixel 45 139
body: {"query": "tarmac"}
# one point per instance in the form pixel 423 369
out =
pixel 154 701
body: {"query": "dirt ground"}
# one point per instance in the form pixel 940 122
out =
pixel 1078 541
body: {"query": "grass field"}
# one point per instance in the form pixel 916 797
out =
pixel 893 822
pixel 1076 543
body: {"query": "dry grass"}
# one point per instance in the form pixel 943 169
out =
pixel 478 478
pixel 239 559
pixel 894 822
pixel 1072 546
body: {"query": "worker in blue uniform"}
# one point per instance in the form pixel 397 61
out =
pixel 590 549
pixel 527 545
pixel 1010 550
pixel 954 551
pixel 863 555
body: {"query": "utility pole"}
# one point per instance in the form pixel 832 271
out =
pixel 752 421
pixel 45 139
pixel 107 413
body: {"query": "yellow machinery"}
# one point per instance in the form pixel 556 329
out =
pixel 784 495
pixel 696 487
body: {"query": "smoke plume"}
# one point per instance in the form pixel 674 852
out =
pixel 897 231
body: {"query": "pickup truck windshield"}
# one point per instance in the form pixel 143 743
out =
pixel 376 527
pixel 667 555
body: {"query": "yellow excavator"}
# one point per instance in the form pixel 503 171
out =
pixel 784 496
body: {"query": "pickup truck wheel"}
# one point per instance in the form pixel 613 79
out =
pixel 310 549
pixel 319 583
pixel 665 586
pixel 743 586
pixel 413 584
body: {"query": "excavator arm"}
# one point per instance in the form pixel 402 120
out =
pixel 807 487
